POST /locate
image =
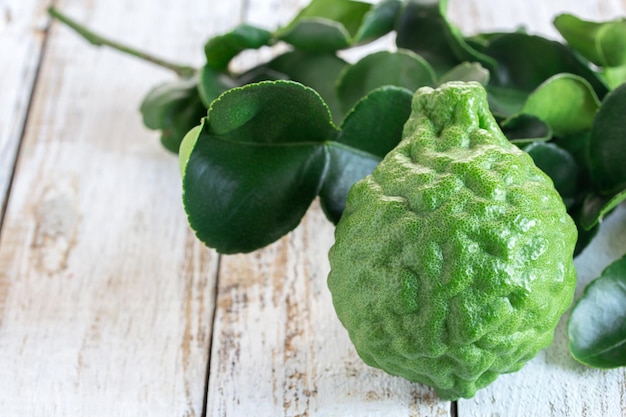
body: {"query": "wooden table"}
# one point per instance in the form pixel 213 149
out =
pixel 108 304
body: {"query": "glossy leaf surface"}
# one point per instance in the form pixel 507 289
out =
pixel 316 70
pixel 173 108
pixel 379 21
pixel 257 165
pixel 369 132
pixel 603 43
pixel 317 35
pixel 566 102
pixel 466 71
pixel 597 325
pixel 325 25
pixel 607 146
pixel 402 69
pixel 221 49
pixel 424 28
pixel 526 61
pixel 523 129
pixel 596 207
pixel 212 83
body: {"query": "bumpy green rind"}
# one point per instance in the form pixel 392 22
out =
pixel 453 259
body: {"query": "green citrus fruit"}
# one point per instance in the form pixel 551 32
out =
pixel 453 259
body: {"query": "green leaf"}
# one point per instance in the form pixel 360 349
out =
pixel 585 236
pixel 560 166
pixel 424 28
pixel 317 35
pixel 318 71
pixel 596 207
pixel 611 43
pixel 325 25
pixel 614 76
pixel 578 146
pixel 607 147
pixel 347 13
pixel 186 146
pixel 402 68
pixel 526 61
pixel 256 165
pixel 523 129
pixel 597 325
pixel 221 49
pixel 173 108
pixel 466 71
pixel 345 167
pixel 212 84
pixel 505 102
pixel 580 35
pixel 370 131
pixel 566 102
pixel 603 43
pixel 379 21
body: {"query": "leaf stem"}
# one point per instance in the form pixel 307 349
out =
pixel 182 71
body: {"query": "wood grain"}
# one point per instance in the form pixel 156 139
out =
pixel 106 297
pixel 22 32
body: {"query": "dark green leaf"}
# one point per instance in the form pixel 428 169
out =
pixel 596 207
pixel 505 102
pixel 585 236
pixel 607 147
pixel 345 167
pixel 375 124
pixel 257 165
pixel 318 71
pixel 221 49
pixel 173 108
pixel 266 113
pixel 467 71
pixel 523 129
pixel 424 28
pixel 317 35
pixel 526 61
pixel 347 13
pixel 560 166
pixel 481 41
pixel 566 102
pixel 212 83
pixel 258 74
pixel 370 131
pixel 379 21
pixel 402 68
pixel 578 146
pixel 597 325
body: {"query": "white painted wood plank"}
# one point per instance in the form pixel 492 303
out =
pixel 552 384
pixel 22 26
pixel 106 298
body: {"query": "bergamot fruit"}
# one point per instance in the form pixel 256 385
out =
pixel 453 260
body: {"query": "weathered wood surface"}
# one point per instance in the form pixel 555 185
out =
pixel 106 298
pixel 22 34
pixel 108 304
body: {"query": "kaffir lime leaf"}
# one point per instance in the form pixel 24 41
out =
pixel 453 259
